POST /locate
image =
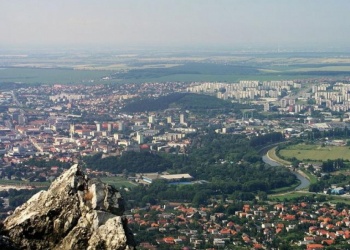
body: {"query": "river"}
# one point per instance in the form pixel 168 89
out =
pixel 304 182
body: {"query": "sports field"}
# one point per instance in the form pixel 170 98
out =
pixel 316 152
pixel 118 182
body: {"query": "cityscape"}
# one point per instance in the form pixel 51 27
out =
pixel 181 125
pixel 64 124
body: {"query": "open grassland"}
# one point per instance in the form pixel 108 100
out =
pixel 162 72
pixel 223 78
pixel 23 183
pixel 272 155
pixel 304 152
pixel 123 66
pixel 298 194
pixel 118 182
pixel 289 195
pixel 91 74
pixel 51 76
pixel 325 68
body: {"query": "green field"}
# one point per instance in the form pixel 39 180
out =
pixel 66 76
pixel 51 76
pixel 24 183
pixel 79 66
pixel 118 182
pixel 325 68
pixel 288 196
pixel 315 152
pixel 293 195
pixel 188 72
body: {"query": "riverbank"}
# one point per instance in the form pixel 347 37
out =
pixel 304 182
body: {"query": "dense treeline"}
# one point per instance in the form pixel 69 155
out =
pixel 327 180
pixel 3 108
pixel 331 133
pixel 149 104
pixel 332 165
pixel 266 139
pixel 228 164
pixel 132 162
pixel 188 101
pixel 241 185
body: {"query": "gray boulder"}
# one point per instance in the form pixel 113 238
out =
pixel 76 212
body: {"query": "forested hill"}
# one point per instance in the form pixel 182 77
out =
pixel 179 100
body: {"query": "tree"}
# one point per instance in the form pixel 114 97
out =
pixel 200 198
pixel 262 196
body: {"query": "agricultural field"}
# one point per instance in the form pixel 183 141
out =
pixel 118 182
pixel 88 75
pixel 51 76
pixel 114 67
pixel 304 152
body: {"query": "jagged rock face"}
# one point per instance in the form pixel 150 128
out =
pixel 75 213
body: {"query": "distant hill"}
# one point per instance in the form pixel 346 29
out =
pixel 180 100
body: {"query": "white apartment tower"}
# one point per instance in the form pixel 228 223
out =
pixel 266 106
pixel 151 119
pixel 139 138
pixel 120 126
pixel 109 127
pixel 98 127
pixel 182 118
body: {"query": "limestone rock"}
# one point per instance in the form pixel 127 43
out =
pixel 74 213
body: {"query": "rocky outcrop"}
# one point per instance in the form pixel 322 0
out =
pixel 76 212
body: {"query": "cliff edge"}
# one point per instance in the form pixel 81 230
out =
pixel 76 212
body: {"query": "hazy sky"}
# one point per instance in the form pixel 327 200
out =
pixel 230 23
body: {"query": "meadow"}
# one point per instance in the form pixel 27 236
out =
pixel 305 195
pixel 315 152
pixel 118 182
